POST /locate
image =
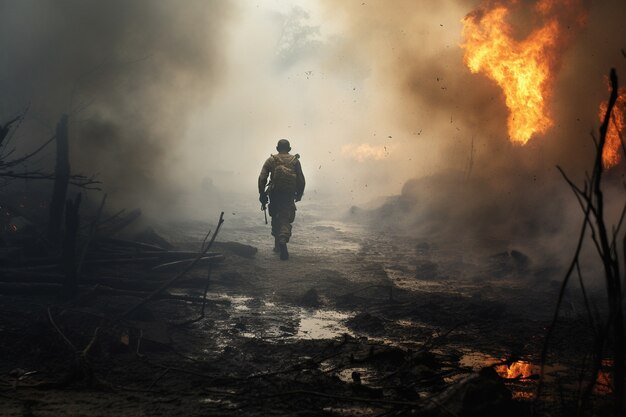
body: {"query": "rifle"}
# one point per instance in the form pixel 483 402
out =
pixel 264 205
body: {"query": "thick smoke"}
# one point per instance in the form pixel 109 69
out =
pixel 481 185
pixel 169 99
pixel 129 73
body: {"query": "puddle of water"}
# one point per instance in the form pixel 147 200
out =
pixel 272 321
pixel 322 324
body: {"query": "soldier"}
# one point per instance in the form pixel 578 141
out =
pixel 286 186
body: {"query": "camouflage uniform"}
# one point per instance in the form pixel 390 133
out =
pixel 282 207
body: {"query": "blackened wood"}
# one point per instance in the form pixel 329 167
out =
pixel 72 222
pixel 61 181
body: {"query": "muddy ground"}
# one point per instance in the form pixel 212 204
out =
pixel 359 321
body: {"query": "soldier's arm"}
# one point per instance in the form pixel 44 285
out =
pixel 265 172
pixel 300 181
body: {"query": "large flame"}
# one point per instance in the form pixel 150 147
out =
pixel 617 126
pixel 522 68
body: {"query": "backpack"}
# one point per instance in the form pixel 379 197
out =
pixel 284 178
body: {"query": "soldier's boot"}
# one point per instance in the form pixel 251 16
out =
pixel 284 254
pixel 276 245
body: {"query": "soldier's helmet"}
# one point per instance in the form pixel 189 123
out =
pixel 283 145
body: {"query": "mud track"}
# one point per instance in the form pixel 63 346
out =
pixel 357 322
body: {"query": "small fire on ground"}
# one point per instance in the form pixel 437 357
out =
pixel 516 370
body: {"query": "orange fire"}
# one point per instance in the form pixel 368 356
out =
pixel 522 68
pixel 617 125
pixel 519 369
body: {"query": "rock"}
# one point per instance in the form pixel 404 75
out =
pixel 367 323
pixel 521 261
pixel 422 248
pixel 310 299
pixel 479 395
pixel 509 262
pixel 426 270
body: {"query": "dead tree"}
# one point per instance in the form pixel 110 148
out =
pixel 62 177
pixel 8 162
pixel 605 240
pixel 70 265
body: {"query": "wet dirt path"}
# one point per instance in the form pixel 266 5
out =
pixel 354 311
pixel 344 277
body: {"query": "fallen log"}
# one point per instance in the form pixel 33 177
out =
pixel 121 224
pixel 124 261
pixel 57 289
pixel 26 277
pixel 101 256
pixel 205 260
pixel 110 261
pixel 124 243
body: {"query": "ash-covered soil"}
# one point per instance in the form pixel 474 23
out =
pixel 357 322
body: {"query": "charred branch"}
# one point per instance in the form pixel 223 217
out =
pixel 72 222
pixel 591 200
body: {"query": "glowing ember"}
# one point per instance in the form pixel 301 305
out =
pixel 604 381
pixel 522 68
pixel 603 384
pixel 519 369
pixel 617 125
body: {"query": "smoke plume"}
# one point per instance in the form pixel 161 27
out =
pixel 481 185
pixel 129 73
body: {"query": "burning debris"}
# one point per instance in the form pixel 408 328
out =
pixel 525 68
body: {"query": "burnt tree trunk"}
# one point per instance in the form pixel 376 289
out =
pixel 72 222
pixel 62 177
